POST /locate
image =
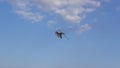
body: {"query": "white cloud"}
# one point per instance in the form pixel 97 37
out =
pixel 24 9
pixel 69 10
pixel 83 28
pixel 34 17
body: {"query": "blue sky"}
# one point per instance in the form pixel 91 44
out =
pixel 27 38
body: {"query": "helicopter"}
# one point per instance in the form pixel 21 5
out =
pixel 60 34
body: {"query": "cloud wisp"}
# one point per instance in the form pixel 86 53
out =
pixel 83 28
pixel 69 10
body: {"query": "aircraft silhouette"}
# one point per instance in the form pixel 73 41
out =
pixel 59 34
